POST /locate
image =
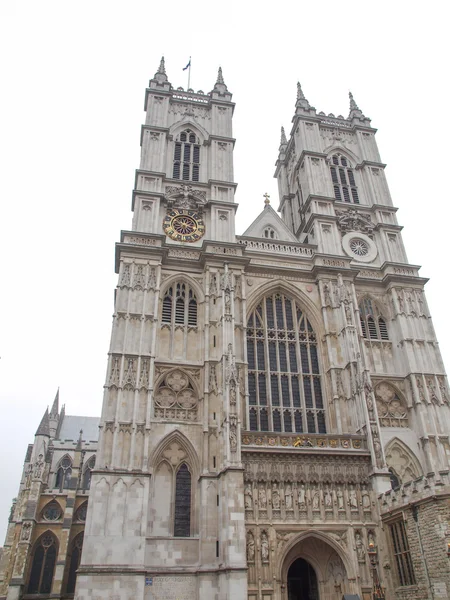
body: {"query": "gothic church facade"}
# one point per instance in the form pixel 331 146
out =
pixel 276 413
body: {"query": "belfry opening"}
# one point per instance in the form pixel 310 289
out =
pixel 302 581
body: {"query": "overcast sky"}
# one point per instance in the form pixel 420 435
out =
pixel 73 81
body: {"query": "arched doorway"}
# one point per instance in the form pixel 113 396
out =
pixel 302 581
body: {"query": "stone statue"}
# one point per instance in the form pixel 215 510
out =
pixel 264 547
pixel 316 500
pixel 353 500
pixel 365 499
pixel 248 502
pixel 360 552
pixel 262 497
pixel 301 495
pixel 250 547
pixel 340 499
pixel 328 499
pixel 288 497
pixel 275 497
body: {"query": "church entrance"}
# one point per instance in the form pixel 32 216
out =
pixel 302 581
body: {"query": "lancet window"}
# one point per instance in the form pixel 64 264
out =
pixel 179 305
pixel 75 557
pixel 343 178
pixel 43 565
pixel 88 473
pixel 64 474
pixel 284 380
pixel 186 159
pixel 269 233
pixel 182 518
pixel 373 324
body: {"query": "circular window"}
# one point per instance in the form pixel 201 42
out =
pixel 82 512
pixel 359 247
pixel 52 512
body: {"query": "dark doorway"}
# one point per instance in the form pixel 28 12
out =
pixel 302 581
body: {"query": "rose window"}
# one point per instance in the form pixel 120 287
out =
pixel 359 247
pixel 52 512
pixel 176 398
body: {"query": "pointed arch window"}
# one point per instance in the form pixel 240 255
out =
pixel 64 474
pixel 75 557
pixel 186 158
pixel 373 324
pixel 343 178
pixel 43 565
pixel 269 233
pixel 179 305
pixel 182 517
pixel 88 473
pixel 284 379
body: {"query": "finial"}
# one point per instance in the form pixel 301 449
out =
pixel 162 67
pixel 55 408
pixel 283 136
pixel 220 77
pixel 353 105
pixel 44 426
pixel 300 94
pixel 266 199
pixel 79 440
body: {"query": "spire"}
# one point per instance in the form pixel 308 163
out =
pixel 353 105
pixel 160 75
pixel 220 85
pixel 283 137
pixel 302 102
pixel 355 111
pixel 44 427
pixel 300 94
pixel 55 407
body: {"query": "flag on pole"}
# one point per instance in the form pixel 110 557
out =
pixel 187 66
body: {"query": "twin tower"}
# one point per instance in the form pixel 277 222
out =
pixel 276 413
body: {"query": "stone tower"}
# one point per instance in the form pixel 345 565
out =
pixel 166 514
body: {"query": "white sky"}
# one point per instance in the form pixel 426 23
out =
pixel 71 105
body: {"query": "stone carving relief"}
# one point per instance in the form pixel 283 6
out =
pixel 115 371
pixel 176 398
pixel 185 196
pixel 213 386
pixel 143 380
pixel 352 220
pixel 139 278
pixel 26 531
pixel 392 410
pixel 443 390
pixel 250 546
pixel 432 393
pixel 233 433
pixel 129 378
pixel 400 458
pixel 151 284
pixel 264 547
pixel 126 276
pixel 359 547
pixel 248 497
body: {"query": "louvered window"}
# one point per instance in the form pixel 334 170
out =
pixel 373 325
pixel 284 381
pixel 343 178
pixel 179 306
pixel 186 157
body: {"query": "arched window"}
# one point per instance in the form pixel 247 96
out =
pixel 81 513
pixel 373 324
pixel 52 512
pixel 180 305
pixel 343 179
pixel 284 382
pixel 182 518
pixel 43 565
pixel 186 158
pixel 64 474
pixel 88 473
pixel 269 233
pixel 75 557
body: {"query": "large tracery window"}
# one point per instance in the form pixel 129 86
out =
pixel 373 324
pixel 343 178
pixel 180 305
pixel 64 474
pixel 43 565
pixel 186 158
pixel 75 557
pixel 284 383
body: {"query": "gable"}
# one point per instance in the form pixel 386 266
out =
pixel 269 221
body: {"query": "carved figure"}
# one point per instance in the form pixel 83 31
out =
pixel 340 499
pixel 262 497
pixel 288 497
pixel 264 547
pixel 301 495
pixel 360 552
pixel 316 500
pixel 353 500
pixel 275 497
pixel 365 499
pixel 248 497
pixel 250 547
pixel 328 499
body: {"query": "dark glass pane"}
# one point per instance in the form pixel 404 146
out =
pixel 87 479
pixel 176 170
pixel 192 138
pixel 273 356
pixel 47 573
pixel 195 173
pixel 355 196
pixel 279 308
pixel 296 400
pixel 260 350
pixel 283 357
pixel 264 420
pixel 269 313
pixel 192 313
pixel 335 159
pixel 262 389
pixel 311 424
pixel 314 359
pixel 293 358
pixel 186 171
pixel 182 527
pixel 67 478
pixel 307 391
pixel 253 421
pixel 304 358
pixel 187 153
pixel 342 176
pixel 346 194
pixel 177 153
pixel 179 311
pixel 350 177
pixel 74 562
pixel 289 317
pixel 33 585
pixel 343 161
pixel 298 421
pixel 252 388
pixel 383 329
pixel 372 328
pixel 301 320
pixel 196 156
pixel 251 354
pixel 285 391
pixel 287 421
pixel 274 390
pixel 276 420
pixel 334 175
pixel 318 393
pixel 321 422
pixel 59 477
pixel 337 193
pixel 183 137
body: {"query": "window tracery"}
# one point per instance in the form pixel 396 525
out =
pixel 175 398
pixel 284 381
pixel 43 565
pixel 180 305
pixel 270 233
pixel 75 557
pixel 186 158
pixel 373 324
pixel 81 513
pixel 52 511
pixel 64 474
pixel 343 178
pixel 88 473
pixel 392 410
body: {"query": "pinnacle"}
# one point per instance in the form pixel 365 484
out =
pixel 162 67
pixel 44 426
pixel 79 440
pixel 220 77
pixel 55 407
pixel 283 137
pixel 300 94
pixel 353 105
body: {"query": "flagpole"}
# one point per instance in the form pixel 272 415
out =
pixel 189 74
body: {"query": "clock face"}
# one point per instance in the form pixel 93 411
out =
pixel 183 225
